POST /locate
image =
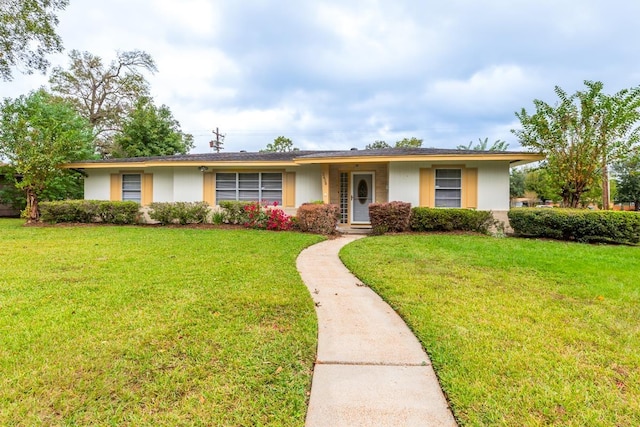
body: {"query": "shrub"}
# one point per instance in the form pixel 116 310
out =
pixel 267 217
pixel 87 211
pixel 180 212
pixel 234 211
pixel 433 219
pixel 393 216
pixel 318 218
pixel 119 212
pixel 577 224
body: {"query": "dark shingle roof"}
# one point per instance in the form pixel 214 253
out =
pixel 301 154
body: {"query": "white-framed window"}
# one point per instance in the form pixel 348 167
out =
pixel 448 188
pixel 132 187
pixel 249 186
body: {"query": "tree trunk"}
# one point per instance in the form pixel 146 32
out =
pixel 605 187
pixel 33 213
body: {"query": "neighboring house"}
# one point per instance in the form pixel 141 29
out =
pixel 351 179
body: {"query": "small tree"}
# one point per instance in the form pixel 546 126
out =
pixel 628 182
pixel 483 145
pixel 581 135
pixel 412 142
pixel 280 144
pixel 377 145
pixel 516 183
pixel 151 131
pixel 39 133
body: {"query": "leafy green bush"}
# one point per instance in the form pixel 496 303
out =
pixel 119 212
pixel 393 216
pixel 318 218
pixel 577 224
pixel 433 219
pixel 88 211
pixel 180 212
pixel 234 211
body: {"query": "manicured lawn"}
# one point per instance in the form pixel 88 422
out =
pixel 520 332
pixel 153 326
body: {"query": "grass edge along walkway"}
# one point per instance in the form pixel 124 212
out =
pixel 153 326
pixel 520 332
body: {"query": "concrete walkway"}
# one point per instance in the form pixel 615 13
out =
pixel 370 369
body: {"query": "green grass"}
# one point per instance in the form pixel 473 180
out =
pixel 520 332
pixel 153 326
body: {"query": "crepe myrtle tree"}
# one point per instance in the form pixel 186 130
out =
pixel 581 135
pixel 38 133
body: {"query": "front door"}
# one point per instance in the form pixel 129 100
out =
pixel 361 196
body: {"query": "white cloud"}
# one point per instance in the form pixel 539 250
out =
pixel 485 92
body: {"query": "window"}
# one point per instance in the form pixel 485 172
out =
pixel 251 186
pixel 132 187
pixel 448 188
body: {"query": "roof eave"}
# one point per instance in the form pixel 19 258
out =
pixel 164 163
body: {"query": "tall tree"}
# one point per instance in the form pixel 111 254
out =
pixel 483 145
pixel 581 135
pixel 628 182
pixel 104 94
pixel 280 144
pixel 27 34
pixel 151 131
pixel 38 133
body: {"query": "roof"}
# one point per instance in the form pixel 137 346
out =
pixel 298 157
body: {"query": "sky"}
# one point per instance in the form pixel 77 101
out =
pixel 342 74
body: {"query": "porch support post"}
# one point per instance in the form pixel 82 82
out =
pixel 325 184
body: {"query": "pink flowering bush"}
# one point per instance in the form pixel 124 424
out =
pixel 267 217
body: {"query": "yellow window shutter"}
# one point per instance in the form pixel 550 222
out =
pixel 427 187
pixel 209 188
pixel 147 189
pixel 289 190
pixel 116 187
pixel 470 188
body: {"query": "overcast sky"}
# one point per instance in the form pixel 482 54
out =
pixel 341 74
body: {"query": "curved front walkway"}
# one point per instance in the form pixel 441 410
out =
pixel 370 369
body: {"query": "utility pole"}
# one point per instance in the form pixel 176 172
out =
pixel 217 143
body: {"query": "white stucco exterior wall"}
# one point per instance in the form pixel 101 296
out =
pixel 97 186
pixel 404 182
pixel 162 184
pixel 493 186
pixel 308 183
pixel 187 185
pixel 493 183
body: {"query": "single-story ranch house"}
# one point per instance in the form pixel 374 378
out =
pixel 351 179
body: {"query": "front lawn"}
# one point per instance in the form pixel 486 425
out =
pixel 105 325
pixel 520 332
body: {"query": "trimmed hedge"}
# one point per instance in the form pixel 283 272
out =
pixel 392 216
pixel 577 224
pixel 179 212
pixel 433 219
pixel 318 218
pixel 88 211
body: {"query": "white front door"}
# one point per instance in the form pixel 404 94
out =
pixel 362 186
